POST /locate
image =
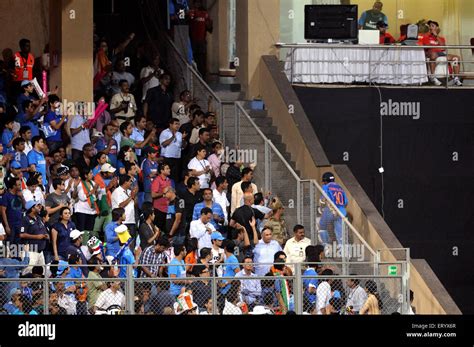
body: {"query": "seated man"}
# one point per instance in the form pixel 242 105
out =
pixel 385 37
pixel 433 39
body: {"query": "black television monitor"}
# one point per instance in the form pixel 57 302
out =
pixel 336 22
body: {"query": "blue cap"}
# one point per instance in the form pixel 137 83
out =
pixel 15 165
pixel 30 203
pixel 62 266
pixel 25 83
pixel 217 236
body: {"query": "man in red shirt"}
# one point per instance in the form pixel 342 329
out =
pixel 432 38
pixel 385 37
pixel 160 203
pixel 199 24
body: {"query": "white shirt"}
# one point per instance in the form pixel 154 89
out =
pixel 264 253
pixel 173 150
pixel 83 202
pixel 120 195
pixel 356 298
pixel 295 251
pixel 216 255
pixel 221 199
pixel 200 165
pixel 28 147
pixel 37 195
pixel 237 195
pixel 80 139
pixel 231 309
pixel 198 230
pixel 323 294
pixel 250 289
pixel 108 298
pixel 153 82
pixel 116 101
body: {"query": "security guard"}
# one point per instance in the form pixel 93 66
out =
pixel 34 232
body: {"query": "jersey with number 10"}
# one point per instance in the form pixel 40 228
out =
pixel 337 196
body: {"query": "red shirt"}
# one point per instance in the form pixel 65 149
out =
pixel 387 36
pixel 161 204
pixel 197 25
pixel 432 40
pixel 22 65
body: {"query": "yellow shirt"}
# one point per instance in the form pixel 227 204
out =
pixel 371 306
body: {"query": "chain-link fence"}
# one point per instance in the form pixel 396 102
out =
pixel 316 288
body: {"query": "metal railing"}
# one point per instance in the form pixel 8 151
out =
pixel 302 198
pixel 381 64
pixel 277 290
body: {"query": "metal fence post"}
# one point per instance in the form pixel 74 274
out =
pixel 312 214
pixel 298 290
pixel 267 166
pixel 214 294
pixel 130 306
pixel 299 206
pixel 292 52
pixel 406 281
pixel 46 296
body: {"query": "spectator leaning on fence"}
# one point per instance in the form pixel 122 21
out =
pixel 251 289
pixel 356 297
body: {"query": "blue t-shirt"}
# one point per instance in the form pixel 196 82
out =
pixel 310 281
pixel 113 247
pixel 216 209
pixel 127 258
pixel 21 118
pixel 7 136
pixel 178 269
pixel 337 195
pixel 37 159
pixel 73 273
pixel 50 116
pixel 230 265
pixel 14 208
pixel 148 166
pixel 22 98
pixel 23 160
pixel 101 145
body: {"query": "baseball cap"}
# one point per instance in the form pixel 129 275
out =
pixel 15 165
pixel 260 310
pixel 14 291
pixel 217 236
pixel 62 170
pixel 25 83
pixel 75 234
pixel 107 168
pixel 30 204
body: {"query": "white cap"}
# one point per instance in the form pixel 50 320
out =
pixel 259 310
pixel 107 168
pixel 75 234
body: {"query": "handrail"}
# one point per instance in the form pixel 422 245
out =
pixel 262 135
pixel 332 45
pixel 193 71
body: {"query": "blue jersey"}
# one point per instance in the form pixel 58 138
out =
pixel 337 196
pixel 37 158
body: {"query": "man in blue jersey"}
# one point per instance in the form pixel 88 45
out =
pixel 330 217
pixel 36 159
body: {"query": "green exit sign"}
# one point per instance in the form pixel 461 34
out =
pixel 392 270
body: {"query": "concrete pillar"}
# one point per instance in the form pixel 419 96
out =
pixel 71 46
pixel 258 29
pixel 217 42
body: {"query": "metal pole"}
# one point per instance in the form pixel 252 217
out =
pixel 267 166
pixel 292 52
pixel 214 293
pixel 300 203
pixel 130 306
pixel 298 290
pixel 46 296
pixel 447 69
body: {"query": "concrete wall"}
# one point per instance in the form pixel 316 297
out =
pixel 301 141
pixel 24 19
pixel 71 37
pixel 258 28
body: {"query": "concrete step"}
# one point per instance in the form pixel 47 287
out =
pixel 263 123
